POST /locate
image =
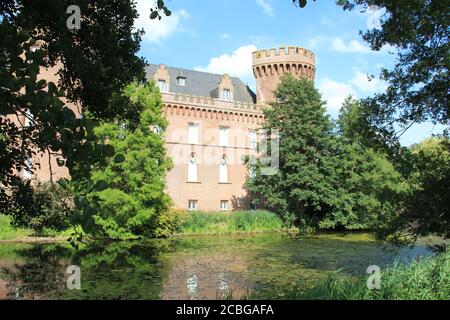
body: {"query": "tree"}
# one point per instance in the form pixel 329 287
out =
pixel 418 84
pixel 355 126
pixel 301 191
pixel 426 210
pixel 326 178
pixel 417 92
pixel 95 61
pixel 301 3
pixel 370 187
pixel 134 197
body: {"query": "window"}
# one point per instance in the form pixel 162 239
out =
pixel 223 136
pixel 192 169
pixel 226 94
pixel 162 85
pixel 29 118
pixel 157 129
pixel 192 205
pixel 252 139
pixel 251 172
pixel 181 81
pixel 193 133
pixel 223 170
pixel 26 172
pixel 223 205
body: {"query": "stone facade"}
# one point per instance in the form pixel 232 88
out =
pixel 213 120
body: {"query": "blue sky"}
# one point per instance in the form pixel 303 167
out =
pixel 219 35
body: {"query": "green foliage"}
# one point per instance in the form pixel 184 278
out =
pixel 95 62
pixel 129 197
pixel 8 231
pixel 418 84
pixel 354 126
pixel 427 208
pixel 301 191
pixel 428 279
pixel 325 180
pixel 229 222
pixel 159 8
pixel 301 3
pixel 44 208
pixel 368 189
pixel 169 223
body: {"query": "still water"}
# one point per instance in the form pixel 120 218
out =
pixel 206 267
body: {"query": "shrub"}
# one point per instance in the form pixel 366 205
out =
pixel 169 223
pixel 44 208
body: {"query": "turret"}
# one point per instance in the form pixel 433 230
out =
pixel 269 65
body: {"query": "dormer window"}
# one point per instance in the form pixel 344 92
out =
pixel 226 94
pixel 181 81
pixel 162 86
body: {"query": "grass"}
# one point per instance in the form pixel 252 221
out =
pixel 428 279
pixel 230 222
pixel 8 232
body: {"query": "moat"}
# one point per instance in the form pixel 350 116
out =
pixel 206 267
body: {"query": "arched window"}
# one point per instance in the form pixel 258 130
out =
pixel 251 172
pixel 223 170
pixel 192 168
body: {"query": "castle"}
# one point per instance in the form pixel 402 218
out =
pixel 213 124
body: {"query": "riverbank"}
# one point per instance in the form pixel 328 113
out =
pixel 187 224
pixel 427 279
pixel 236 222
pixel 11 234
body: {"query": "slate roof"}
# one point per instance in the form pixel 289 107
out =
pixel 202 84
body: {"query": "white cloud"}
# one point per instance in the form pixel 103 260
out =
pixel 158 30
pixel 266 5
pixel 374 14
pixel 337 44
pixel 225 36
pixel 335 93
pixel 238 64
pixel 362 82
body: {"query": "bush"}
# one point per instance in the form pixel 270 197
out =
pixel 45 208
pixel 169 223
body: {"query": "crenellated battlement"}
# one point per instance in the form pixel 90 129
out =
pixel 210 102
pixel 291 53
pixel 269 65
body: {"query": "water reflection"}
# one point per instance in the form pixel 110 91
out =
pixel 186 268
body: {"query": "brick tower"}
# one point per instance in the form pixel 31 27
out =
pixel 269 65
